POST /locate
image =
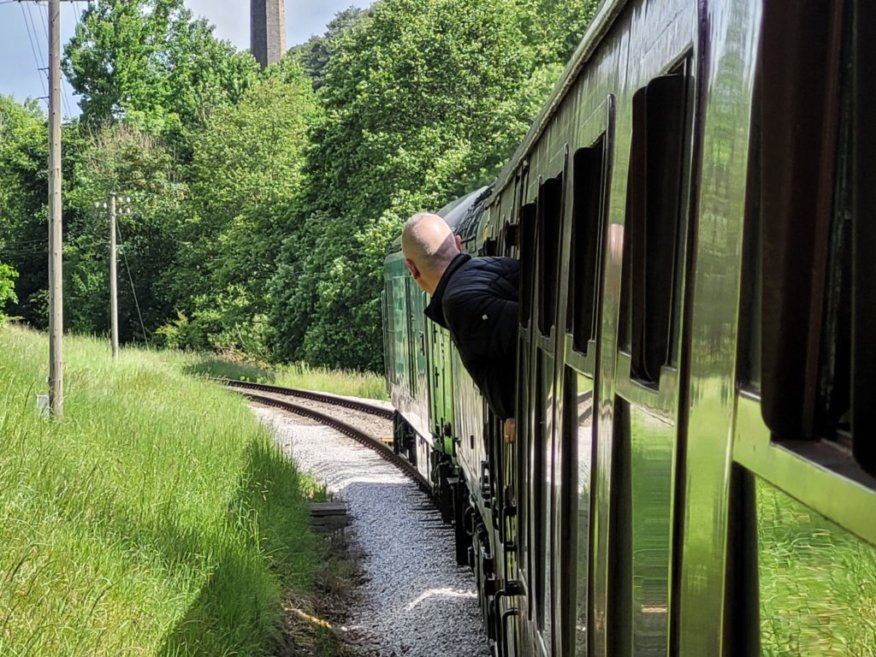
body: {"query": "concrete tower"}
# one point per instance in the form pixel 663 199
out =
pixel 267 30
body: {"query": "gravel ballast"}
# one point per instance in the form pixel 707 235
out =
pixel 415 600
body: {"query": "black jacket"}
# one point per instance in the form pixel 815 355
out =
pixel 477 301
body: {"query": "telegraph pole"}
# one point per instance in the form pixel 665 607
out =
pixel 114 205
pixel 56 288
pixel 114 288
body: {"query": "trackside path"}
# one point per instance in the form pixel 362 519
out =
pixel 416 601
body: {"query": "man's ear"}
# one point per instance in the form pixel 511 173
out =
pixel 458 240
pixel 412 268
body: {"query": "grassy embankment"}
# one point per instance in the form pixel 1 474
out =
pixel 297 375
pixel 156 519
pixel 817 583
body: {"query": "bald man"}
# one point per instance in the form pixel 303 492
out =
pixel 476 300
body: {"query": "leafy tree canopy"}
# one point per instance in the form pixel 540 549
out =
pixel 423 101
pixel 315 53
pixel 150 63
pixel 246 177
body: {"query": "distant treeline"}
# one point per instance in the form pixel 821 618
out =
pixel 261 203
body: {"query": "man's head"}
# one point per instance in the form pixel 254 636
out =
pixel 429 246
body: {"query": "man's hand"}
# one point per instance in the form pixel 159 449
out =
pixel 510 430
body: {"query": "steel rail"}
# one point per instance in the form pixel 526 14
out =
pixel 348 430
pixel 325 398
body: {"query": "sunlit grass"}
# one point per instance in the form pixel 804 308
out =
pixel 157 518
pixel 296 375
pixel 817 583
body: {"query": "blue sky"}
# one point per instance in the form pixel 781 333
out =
pixel 24 46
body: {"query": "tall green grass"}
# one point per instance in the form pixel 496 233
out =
pixel 157 518
pixel 817 583
pixel 295 375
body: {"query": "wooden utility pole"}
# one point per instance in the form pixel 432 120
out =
pixel 114 287
pixel 56 287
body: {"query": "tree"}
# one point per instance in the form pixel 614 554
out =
pixel 150 63
pixel 246 175
pixel 315 53
pixel 7 288
pixel 424 101
pixel 137 166
pixel 23 205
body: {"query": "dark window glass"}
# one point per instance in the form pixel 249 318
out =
pixel 654 225
pixel 550 214
pixel 587 239
pixel 527 261
pixel 809 218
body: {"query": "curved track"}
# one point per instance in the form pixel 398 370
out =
pixel 347 429
pixel 325 398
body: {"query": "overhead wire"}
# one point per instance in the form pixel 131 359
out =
pixel 65 97
pixel 33 49
pixel 131 280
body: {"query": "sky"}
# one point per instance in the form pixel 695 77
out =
pixel 24 43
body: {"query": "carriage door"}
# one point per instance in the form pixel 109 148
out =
pixel 441 400
pixel 583 238
pixel 647 427
pixel 537 407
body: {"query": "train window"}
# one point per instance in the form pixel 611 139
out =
pixel 578 448
pixel 527 258
pixel 815 581
pixel 863 157
pixel 540 467
pixel 389 340
pixel 654 229
pixel 400 324
pixel 550 214
pixel 587 232
pixel 811 128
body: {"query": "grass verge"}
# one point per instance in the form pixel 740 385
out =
pixel 295 375
pixel 817 583
pixel 157 518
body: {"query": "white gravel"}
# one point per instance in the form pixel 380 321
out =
pixel 416 601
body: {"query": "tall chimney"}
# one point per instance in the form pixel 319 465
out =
pixel 267 30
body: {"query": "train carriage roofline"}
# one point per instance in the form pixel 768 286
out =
pixel 600 25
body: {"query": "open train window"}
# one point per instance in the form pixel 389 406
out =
pixel 810 222
pixel 587 236
pixel 550 214
pixel 655 228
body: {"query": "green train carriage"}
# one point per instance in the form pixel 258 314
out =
pixel 693 473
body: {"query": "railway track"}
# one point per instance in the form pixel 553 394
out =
pixel 251 391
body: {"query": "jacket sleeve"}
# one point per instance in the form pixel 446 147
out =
pixel 484 328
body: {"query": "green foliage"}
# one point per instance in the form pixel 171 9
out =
pixel 150 63
pixel 23 203
pixel 424 101
pixel 140 169
pixel 158 519
pixel 7 288
pixel 292 375
pixel 260 210
pixel 246 176
pixel 315 53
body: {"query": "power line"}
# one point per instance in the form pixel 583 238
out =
pixel 133 291
pixel 65 98
pixel 33 49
